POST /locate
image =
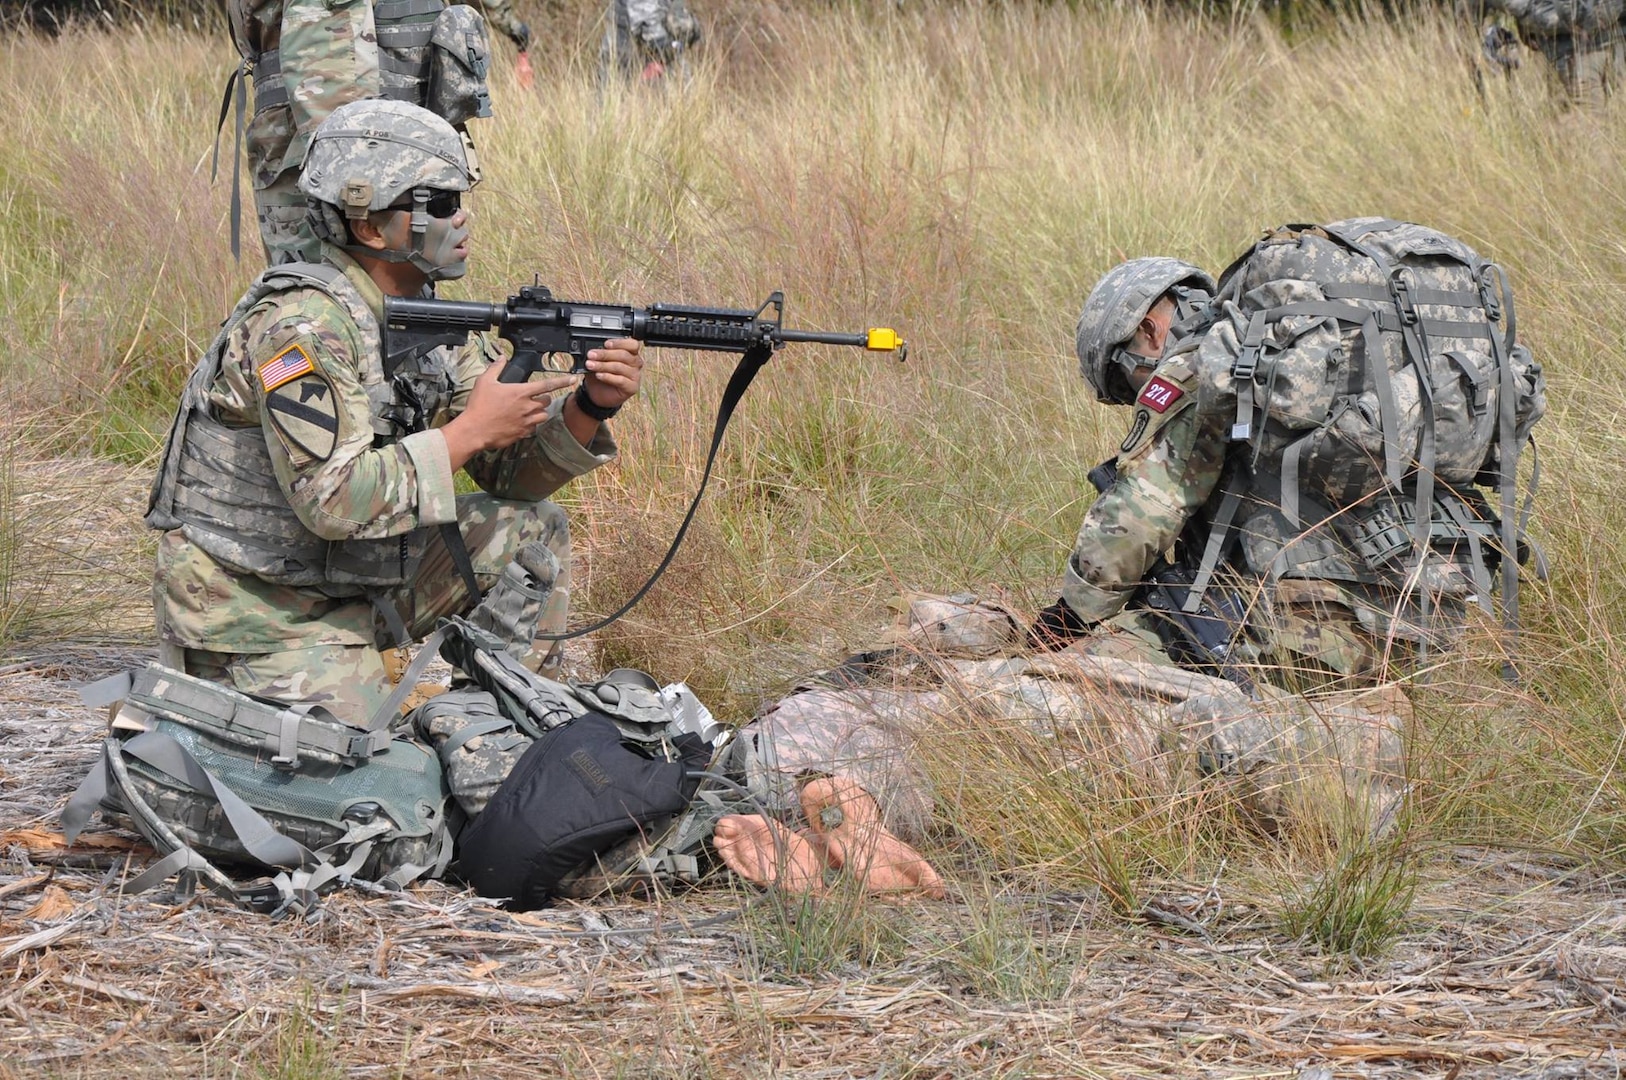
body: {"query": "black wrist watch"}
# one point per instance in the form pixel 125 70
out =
pixel 587 405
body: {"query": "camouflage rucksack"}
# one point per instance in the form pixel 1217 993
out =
pixel 1376 381
pixel 208 775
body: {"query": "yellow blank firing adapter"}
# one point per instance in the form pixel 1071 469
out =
pixel 885 339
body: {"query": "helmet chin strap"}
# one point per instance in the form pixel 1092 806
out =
pixel 1129 363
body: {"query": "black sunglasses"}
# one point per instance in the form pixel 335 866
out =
pixel 442 204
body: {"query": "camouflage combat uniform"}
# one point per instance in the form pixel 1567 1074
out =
pixel 1581 39
pixel 308 57
pixel 1169 467
pixel 641 31
pixel 297 372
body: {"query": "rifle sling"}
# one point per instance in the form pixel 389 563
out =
pixel 744 372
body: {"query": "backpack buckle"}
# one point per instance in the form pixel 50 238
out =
pixel 1247 362
pixel 1401 291
pixel 1487 293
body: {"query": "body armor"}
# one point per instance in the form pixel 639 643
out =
pixel 217 484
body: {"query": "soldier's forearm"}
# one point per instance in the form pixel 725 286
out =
pixel 379 492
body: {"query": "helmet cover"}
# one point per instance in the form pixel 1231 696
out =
pixel 1115 308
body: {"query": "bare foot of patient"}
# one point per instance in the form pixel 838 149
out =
pixel 847 819
pixel 764 852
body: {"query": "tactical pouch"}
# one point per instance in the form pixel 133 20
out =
pixel 404 30
pixel 512 609
pixel 459 57
pixel 477 744
pixel 207 774
pixel 532 702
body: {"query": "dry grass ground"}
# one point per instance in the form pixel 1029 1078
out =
pixel 1509 966
pixel 964 171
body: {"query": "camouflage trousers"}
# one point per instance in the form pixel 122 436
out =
pixel 1165 733
pixel 1587 75
pixel 952 679
pixel 351 680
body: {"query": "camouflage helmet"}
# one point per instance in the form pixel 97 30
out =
pixel 368 154
pixel 1114 309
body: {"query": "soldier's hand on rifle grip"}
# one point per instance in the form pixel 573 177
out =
pixel 499 414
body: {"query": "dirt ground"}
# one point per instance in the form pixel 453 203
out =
pixel 1510 967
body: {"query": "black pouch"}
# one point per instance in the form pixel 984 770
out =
pixel 579 790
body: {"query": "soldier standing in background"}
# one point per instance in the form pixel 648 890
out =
pixel 646 37
pixel 308 57
pixel 1582 40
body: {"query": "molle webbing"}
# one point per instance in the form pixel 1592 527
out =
pixel 1414 338
pixel 405 29
pixel 1473 316
pixel 392 12
pixel 230 505
pixel 160 504
pixel 287 733
pixel 1383 531
pixel 269 88
pixel 218 485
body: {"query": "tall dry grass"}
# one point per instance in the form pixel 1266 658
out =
pixel 962 171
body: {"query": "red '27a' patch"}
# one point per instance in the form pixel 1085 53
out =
pixel 1159 394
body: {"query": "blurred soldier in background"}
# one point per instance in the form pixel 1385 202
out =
pixel 647 38
pixel 1581 39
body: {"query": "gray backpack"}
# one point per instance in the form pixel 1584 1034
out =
pixel 211 776
pixel 1377 381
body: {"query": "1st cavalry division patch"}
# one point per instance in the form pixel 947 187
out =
pixel 305 415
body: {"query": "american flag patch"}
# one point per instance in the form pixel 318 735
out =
pixel 1159 394
pixel 287 365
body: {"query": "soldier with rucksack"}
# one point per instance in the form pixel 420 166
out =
pixel 1313 443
